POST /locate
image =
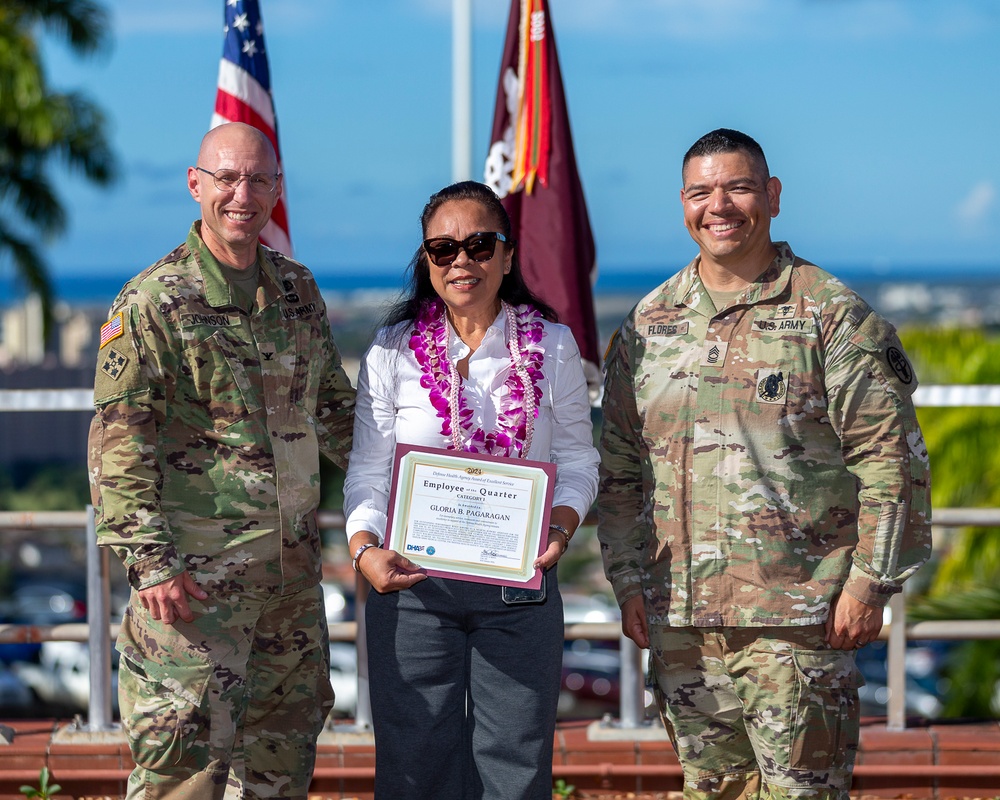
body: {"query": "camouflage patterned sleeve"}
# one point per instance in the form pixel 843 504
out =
pixel 623 524
pixel 335 406
pixel 870 384
pixel 134 371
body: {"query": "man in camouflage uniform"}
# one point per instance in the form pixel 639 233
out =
pixel 764 491
pixel 217 386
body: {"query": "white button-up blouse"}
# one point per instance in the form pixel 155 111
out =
pixel 393 407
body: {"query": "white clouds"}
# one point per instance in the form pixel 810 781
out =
pixel 178 16
pixel 976 213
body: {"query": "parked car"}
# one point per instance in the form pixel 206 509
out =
pixel 591 674
pixel 40 600
pixel 15 697
pixel 344 678
pixel 923 664
pixel 61 676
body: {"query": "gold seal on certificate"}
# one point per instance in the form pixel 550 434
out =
pixel 470 516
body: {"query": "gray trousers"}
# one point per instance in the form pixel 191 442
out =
pixel 464 691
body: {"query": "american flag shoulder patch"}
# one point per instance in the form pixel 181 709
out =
pixel 112 329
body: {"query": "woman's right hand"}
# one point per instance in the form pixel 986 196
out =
pixel 388 571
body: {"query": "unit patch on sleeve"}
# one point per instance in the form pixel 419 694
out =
pixel 899 364
pixel 114 364
pixel 112 329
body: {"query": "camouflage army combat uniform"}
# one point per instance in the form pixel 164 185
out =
pixel 757 461
pixel 204 456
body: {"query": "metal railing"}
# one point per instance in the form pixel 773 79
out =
pixel 98 630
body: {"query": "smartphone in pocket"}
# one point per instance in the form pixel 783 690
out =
pixel 518 595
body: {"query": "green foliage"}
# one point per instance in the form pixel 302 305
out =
pixel 44 790
pixel 973 672
pixel 965 472
pixel 981 602
pixel 38 126
pixel 562 789
pixel 45 487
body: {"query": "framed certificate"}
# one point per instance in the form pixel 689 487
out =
pixel 469 516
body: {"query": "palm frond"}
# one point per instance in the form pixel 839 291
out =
pixel 31 269
pixel 979 603
pixel 83 24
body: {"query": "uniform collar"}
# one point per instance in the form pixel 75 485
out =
pixel 218 291
pixel 772 283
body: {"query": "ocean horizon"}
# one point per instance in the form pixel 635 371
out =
pixel 101 288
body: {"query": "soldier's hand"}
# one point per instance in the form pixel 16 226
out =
pixel 388 571
pixel 634 621
pixel 168 601
pixel 852 624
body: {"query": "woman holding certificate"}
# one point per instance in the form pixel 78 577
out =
pixel 464 674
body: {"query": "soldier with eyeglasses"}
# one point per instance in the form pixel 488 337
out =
pixel 218 385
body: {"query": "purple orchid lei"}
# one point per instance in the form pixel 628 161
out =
pixel 518 404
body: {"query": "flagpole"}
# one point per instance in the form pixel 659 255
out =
pixel 461 90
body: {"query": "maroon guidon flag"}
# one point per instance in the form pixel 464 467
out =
pixel 532 167
pixel 244 95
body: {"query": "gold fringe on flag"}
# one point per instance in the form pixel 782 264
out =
pixel 531 160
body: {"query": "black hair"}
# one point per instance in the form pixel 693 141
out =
pixel 726 140
pixel 513 289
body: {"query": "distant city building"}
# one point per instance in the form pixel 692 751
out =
pixel 73 342
pixel 22 339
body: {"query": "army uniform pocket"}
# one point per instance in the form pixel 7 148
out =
pixel 162 686
pixel 824 709
pixel 220 370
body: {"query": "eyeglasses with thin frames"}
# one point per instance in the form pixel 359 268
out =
pixel 480 247
pixel 226 180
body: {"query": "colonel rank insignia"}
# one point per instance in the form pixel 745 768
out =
pixel 113 364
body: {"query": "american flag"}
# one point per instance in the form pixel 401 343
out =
pixel 244 95
pixel 111 329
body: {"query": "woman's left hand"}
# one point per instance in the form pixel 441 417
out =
pixel 564 517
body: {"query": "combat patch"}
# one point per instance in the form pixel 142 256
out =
pixel 899 364
pixel 781 325
pixel 112 329
pixel 114 364
pixel 714 354
pixel 771 386
pixel 661 329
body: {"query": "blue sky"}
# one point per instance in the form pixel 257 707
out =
pixel 879 116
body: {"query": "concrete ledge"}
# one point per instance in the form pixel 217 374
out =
pixel 614 731
pixel 75 734
pixel 346 734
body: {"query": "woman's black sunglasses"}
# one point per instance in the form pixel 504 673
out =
pixel 478 247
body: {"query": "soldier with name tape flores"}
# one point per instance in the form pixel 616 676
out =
pixel 764 491
pixel 218 384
